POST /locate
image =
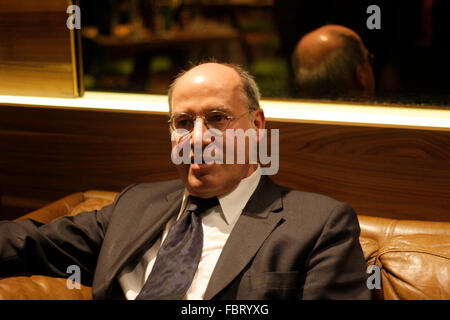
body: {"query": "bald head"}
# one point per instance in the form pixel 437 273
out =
pixel 333 60
pixel 220 75
pixel 317 45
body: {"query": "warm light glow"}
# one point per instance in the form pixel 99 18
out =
pixel 360 114
pixel 281 110
pixel 97 100
pixel 199 79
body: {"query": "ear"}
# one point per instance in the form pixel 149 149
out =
pixel 258 121
pixel 366 79
pixel 361 77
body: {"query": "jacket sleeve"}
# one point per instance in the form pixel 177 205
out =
pixel 29 247
pixel 336 268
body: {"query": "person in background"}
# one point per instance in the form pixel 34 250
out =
pixel 332 62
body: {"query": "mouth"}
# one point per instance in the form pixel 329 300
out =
pixel 200 165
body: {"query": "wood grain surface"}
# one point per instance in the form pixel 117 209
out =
pixel 398 173
pixel 38 53
pixel 47 153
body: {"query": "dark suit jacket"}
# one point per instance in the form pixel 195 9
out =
pixel 286 244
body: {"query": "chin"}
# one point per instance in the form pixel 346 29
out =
pixel 210 181
pixel 204 186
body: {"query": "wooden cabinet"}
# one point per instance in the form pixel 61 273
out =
pixel 39 55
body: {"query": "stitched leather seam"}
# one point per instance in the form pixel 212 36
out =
pixel 413 250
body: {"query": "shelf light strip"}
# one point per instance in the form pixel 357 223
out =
pixel 282 110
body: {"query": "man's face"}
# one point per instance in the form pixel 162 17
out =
pixel 202 89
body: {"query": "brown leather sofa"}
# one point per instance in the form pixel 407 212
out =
pixel 413 256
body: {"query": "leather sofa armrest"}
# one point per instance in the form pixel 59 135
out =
pixel 72 205
pixel 55 210
pixel 415 267
pixel 37 287
pixel 41 288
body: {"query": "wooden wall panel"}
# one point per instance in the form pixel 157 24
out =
pixel 39 55
pixel 47 153
pixel 388 172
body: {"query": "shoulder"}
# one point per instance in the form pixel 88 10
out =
pixel 314 210
pixel 315 201
pixel 149 191
pixel 166 186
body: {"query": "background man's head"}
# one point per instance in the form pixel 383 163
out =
pixel 332 62
pixel 207 87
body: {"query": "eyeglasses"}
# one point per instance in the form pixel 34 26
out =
pixel 214 119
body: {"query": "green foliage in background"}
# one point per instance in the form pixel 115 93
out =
pixel 272 76
pixel 160 64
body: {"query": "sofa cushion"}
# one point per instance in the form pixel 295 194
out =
pixel 41 288
pixel 415 267
pixel 370 248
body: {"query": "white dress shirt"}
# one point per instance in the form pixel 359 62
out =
pixel 217 222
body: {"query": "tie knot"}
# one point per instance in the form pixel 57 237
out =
pixel 201 204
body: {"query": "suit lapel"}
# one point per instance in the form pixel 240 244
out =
pixel 254 225
pixel 138 240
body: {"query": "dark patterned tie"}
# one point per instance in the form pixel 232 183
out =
pixel 179 256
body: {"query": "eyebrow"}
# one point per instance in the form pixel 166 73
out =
pixel 218 108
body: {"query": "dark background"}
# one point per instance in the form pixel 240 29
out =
pixel 411 48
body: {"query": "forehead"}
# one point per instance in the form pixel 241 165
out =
pixel 208 85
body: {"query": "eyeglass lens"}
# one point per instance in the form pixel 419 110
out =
pixel 213 120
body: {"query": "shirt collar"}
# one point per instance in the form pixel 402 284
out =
pixel 234 202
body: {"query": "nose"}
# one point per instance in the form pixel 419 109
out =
pixel 197 142
pixel 199 129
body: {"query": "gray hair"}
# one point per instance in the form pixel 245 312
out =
pixel 334 76
pixel 249 88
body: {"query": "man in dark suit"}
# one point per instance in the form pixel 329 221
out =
pixel 260 240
